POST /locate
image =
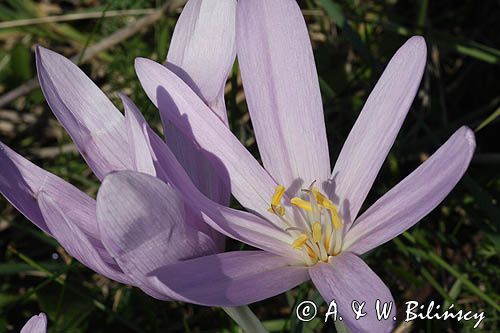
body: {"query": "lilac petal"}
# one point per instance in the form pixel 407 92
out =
pixel 36 324
pixel 229 279
pixel 243 226
pixel 201 171
pixel 282 90
pixel 92 121
pixel 136 125
pixel 143 223
pixel 414 197
pixel 374 132
pixel 202 53
pixel 202 49
pixel 251 184
pixel 346 279
pixel 89 251
pixel 21 181
pixel 171 171
pixel 250 229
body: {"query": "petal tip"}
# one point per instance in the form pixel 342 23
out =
pixel 417 44
pixel 139 62
pixel 39 49
pixel 42 53
pixel 469 136
pixel 126 101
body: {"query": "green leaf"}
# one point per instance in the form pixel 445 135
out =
pixel 64 306
pixel 488 120
pixel 21 63
pixel 16 268
pixel 334 11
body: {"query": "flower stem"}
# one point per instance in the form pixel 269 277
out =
pixel 245 318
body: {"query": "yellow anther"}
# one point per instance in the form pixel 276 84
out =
pixel 322 199
pixel 300 241
pixel 278 194
pixel 278 210
pixel 311 253
pixel 336 220
pixel 301 203
pixel 327 242
pixel 316 232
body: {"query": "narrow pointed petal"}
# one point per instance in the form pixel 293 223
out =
pixel 171 171
pixel 250 183
pixel 415 196
pixel 201 171
pixel 346 279
pixel 89 251
pixel 143 223
pixel 245 227
pixel 282 90
pixel 139 149
pixel 376 128
pixel 250 229
pixel 21 181
pixel 202 53
pixel 36 324
pixel 92 121
pixel 202 49
pixel 229 279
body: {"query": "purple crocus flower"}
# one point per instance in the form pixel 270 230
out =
pixel 36 324
pixel 109 141
pixel 304 217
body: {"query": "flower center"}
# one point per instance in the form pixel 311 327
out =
pixel 312 220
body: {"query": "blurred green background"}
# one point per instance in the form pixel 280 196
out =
pixel 451 256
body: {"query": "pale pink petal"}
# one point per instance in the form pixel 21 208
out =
pixel 250 183
pixel 36 324
pixel 250 229
pixel 229 279
pixel 144 225
pixel 139 149
pixel 89 251
pixel 346 278
pixel 21 181
pixel 202 49
pixel 171 171
pixel 245 227
pixel 414 197
pixel 376 128
pixel 202 52
pixel 282 91
pixel 92 121
pixel 240 225
pixel 212 182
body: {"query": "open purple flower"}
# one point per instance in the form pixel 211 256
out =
pixel 36 324
pixel 304 216
pixel 203 50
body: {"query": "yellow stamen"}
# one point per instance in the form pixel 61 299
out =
pixel 311 253
pixel 327 243
pixel 300 241
pixel 301 203
pixel 337 222
pixel 279 191
pixel 322 199
pixel 316 232
pixel 278 210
